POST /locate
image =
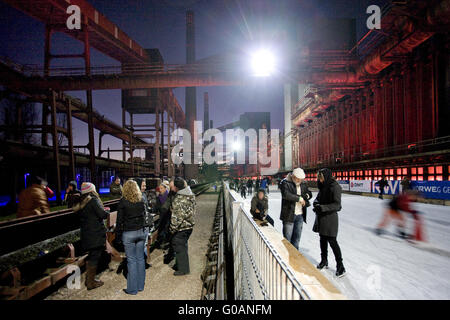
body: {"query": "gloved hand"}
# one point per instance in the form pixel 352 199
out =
pixel 317 208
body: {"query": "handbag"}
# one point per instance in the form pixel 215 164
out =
pixel 316 224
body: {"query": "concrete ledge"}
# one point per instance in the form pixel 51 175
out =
pixel 312 280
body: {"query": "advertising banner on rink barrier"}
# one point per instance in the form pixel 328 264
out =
pixel 393 187
pixel 345 184
pixel 433 189
pixel 361 185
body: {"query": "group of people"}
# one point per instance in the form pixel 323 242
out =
pixel 175 204
pixel 245 186
pixel 295 199
pixel 34 200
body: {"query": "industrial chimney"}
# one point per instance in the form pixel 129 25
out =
pixel 206 111
pixel 191 170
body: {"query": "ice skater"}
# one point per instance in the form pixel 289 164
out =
pixel 326 207
pixel 381 183
pixel 402 203
pixel 243 189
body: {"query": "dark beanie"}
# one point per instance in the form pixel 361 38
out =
pixel 36 180
pixel 179 183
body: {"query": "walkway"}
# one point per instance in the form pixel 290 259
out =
pixel 160 282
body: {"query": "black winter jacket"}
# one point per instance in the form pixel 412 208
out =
pixel 261 205
pixel 130 216
pixel 92 227
pixel 289 198
pixel 329 202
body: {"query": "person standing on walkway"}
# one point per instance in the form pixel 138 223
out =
pixel 131 223
pixel 326 206
pixel 92 230
pixel 181 224
pixel 72 195
pixel 163 208
pixel 295 197
pixel 115 189
pixel 142 184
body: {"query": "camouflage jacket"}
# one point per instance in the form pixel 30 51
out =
pixel 183 211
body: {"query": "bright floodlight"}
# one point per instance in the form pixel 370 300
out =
pixel 263 63
pixel 236 146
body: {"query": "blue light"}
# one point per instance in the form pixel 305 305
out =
pixel 103 190
pixel 25 177
pixel 4 200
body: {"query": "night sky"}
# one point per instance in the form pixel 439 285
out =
pixel 221 26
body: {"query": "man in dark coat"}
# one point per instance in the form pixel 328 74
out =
pixel 115 189
pixel 295 197
pixel 326 205
pixel 259 207
pixel 92 230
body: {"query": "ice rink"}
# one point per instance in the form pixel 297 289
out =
pixel 380 267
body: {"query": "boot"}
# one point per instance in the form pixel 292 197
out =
pixel 322 264
pixel 340 270
pixel 168 258
pixel 91 282
pixel 402 234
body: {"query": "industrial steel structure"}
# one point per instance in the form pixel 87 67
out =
pixel 99 33
pixel 384 111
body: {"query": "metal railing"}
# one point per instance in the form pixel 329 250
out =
pixel 259 271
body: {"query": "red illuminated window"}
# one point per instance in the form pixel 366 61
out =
pixel 430 170
pixel 439 178
pixel 399 171
pixel 405 171
pixel 420 170
pixel 413 171
pixel 439 170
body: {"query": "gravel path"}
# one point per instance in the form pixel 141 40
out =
pixel 160 282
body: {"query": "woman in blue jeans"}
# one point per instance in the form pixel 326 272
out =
pixel 131 223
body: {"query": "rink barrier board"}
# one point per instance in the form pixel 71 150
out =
pixel 429 190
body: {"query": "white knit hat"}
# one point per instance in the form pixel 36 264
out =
pixel 299 173
pixel 165 183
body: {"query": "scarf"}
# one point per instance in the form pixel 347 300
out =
pixel 163 197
